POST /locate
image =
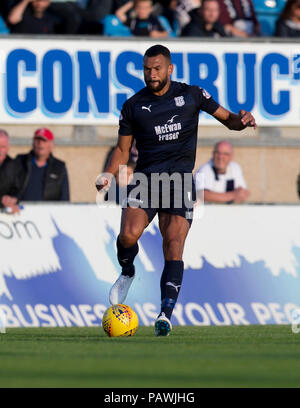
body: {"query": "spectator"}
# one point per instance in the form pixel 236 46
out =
pixel 144 23
pixel 31 17
pixel 288 24
pixel 40 175
pixel 204 21
pixel 221 178
pixel 239 18
pixel 6 198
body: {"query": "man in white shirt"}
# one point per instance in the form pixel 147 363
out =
pixel 221 178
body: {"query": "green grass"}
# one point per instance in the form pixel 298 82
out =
pixel 238 356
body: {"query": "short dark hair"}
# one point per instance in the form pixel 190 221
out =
pixel 158 49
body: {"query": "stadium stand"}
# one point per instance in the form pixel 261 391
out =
pixel 113 27
pixel 267 12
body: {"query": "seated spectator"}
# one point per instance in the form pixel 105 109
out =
pixel 144 23
pixel 221 178
pixel 7 200
pixel 239 18
pixel 31 17
pixel 40 176
pixel 204 21
pixel 288 24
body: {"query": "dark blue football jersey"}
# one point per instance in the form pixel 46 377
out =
pixel 165 127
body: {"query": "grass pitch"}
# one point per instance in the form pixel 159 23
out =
pixel 238 356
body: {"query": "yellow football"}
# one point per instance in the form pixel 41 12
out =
pixel 120 320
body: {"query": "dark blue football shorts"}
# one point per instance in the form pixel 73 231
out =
pixel 172 193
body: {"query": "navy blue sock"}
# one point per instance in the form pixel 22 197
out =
pixel 170 285
pixel 126 257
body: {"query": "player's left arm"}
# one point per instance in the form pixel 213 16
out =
pixel 233 121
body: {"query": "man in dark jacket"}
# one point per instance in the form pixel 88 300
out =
pixel 31 17
pixel 40 176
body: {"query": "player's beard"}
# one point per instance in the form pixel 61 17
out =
pixel 156 86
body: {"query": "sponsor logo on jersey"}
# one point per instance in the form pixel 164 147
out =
pixel 179 100
pixel 168 131
pixel 147 108
pixel 172 119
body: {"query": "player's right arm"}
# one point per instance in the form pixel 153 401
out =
pixel 119 157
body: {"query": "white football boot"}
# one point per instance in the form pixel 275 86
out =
pixel 120 288
pixel 162 325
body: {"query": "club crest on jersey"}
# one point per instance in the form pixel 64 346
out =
pixel 206 94
pixel 179 100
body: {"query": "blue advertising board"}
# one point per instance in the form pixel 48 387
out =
pixel 242 266
pixel 87 82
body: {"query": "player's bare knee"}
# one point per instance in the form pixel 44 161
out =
pixel 128 238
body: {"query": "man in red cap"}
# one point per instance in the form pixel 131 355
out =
pixel 39 175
